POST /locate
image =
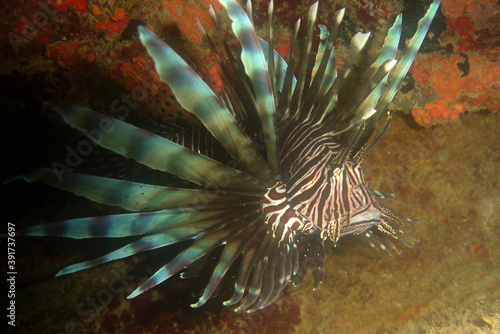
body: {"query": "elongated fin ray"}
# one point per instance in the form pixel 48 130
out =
pixel 247 265
pixel 281 279
pixel 121 225
pixel 128 195
pixel 195 96
pixel 270 52
pixel 326 70
pixel 268 279
pixel 245 92
pixel 146 243
pixel 388 51
pixel 301 80
pixel 231 251
pixel 330 73
pixel 402 66
pixel 405 62
pixel 323 40
pixel 351 124
pixel 256 69
pixel 358 42
pixel 389 48
pixel 380 194
pixel 199 248
pixel 202 223
pixel 280 66
pixel 369 87
pixel 261 268
pixel 285 98
pixel 155 151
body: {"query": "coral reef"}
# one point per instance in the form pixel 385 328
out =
pixel 467 72
pixel 437 113
pixel 57 49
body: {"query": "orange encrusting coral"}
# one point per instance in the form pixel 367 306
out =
pixel 437 113
pixel 468 79
pixel 479 88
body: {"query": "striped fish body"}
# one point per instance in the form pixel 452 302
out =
pixel 274 203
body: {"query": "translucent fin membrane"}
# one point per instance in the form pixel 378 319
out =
pixel 380 243
pixel 195 96
pixel 256 69
pixel 391 225
pixel 202 246
pixel 301 80
pixel 324 71
pixel 403 64
pixel 154 151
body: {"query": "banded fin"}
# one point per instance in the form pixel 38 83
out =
pixel 325 70
pixel 352 123
pixel 121 225
pixel 232 250
pixel 202 246
pixel 330 73
pixel 235 93
pixel 128 195
pixel 170 236
pixel 249 262
pixel 156 152
pixel 269 282
pixel 405 62
pixel 195 96
pixel 365 94
pixel 281 279
pixel 256 69
pixel 323 40
pixel 358 42
pixel 285 98
pixel 379 243
pixel 269 53
pixel 301 79
pixel 388 50
pixel 280 67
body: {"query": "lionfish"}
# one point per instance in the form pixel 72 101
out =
pixel 291 182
